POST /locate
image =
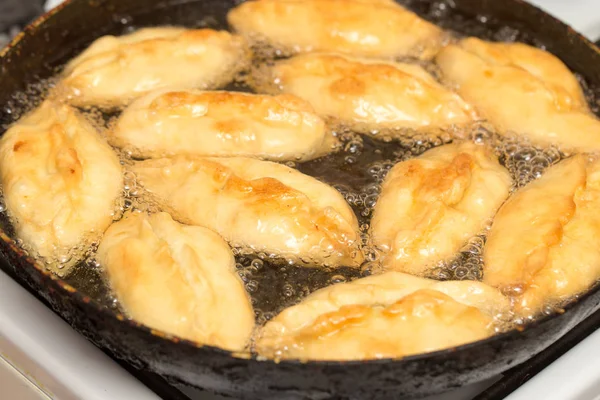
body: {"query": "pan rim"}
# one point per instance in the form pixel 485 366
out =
pixel 68 290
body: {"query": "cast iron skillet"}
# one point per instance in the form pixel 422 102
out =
pixel 53 39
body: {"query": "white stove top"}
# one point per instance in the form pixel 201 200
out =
pixel 583 15
pixel 41 357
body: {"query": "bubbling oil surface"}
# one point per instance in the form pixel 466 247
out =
pixel 356 171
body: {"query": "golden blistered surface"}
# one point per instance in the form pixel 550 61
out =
pixel 431 205
pixel 523 90
pixel 373 29
pixel 383 316
pixel 113 71
pixel 543 242
pixel 219 123
pixel 60 182
pixel 260 205
pixel 177 278
pixel 370 95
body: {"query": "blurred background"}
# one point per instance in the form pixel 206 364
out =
pixel 584 14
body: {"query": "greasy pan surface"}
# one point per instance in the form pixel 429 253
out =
pixel 52 40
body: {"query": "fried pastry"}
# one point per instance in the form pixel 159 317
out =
pixel 201 123
pixel 370 95
pixel 383 316
pixel 257 205
pixel 179 279
pixel 60 181
pixel 431 205
pixel 365 28
pixel 542 246
pixel 523 90
pixel 113 71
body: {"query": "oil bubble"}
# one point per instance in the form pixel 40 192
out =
pixel 338 279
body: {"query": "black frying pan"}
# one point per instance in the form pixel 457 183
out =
pixel 59 35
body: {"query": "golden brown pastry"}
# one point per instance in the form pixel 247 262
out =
pixel 540 63
pixel 543 243
pixel 383 316
pixel 524 90
pixel 364 28
pixel 60 182
pixel 166 123
pixel 113 71
pixel 260 205
pixel 179 279
pixel 369 94
pixel 431 205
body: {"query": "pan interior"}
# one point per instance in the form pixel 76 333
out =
pixel 356 171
